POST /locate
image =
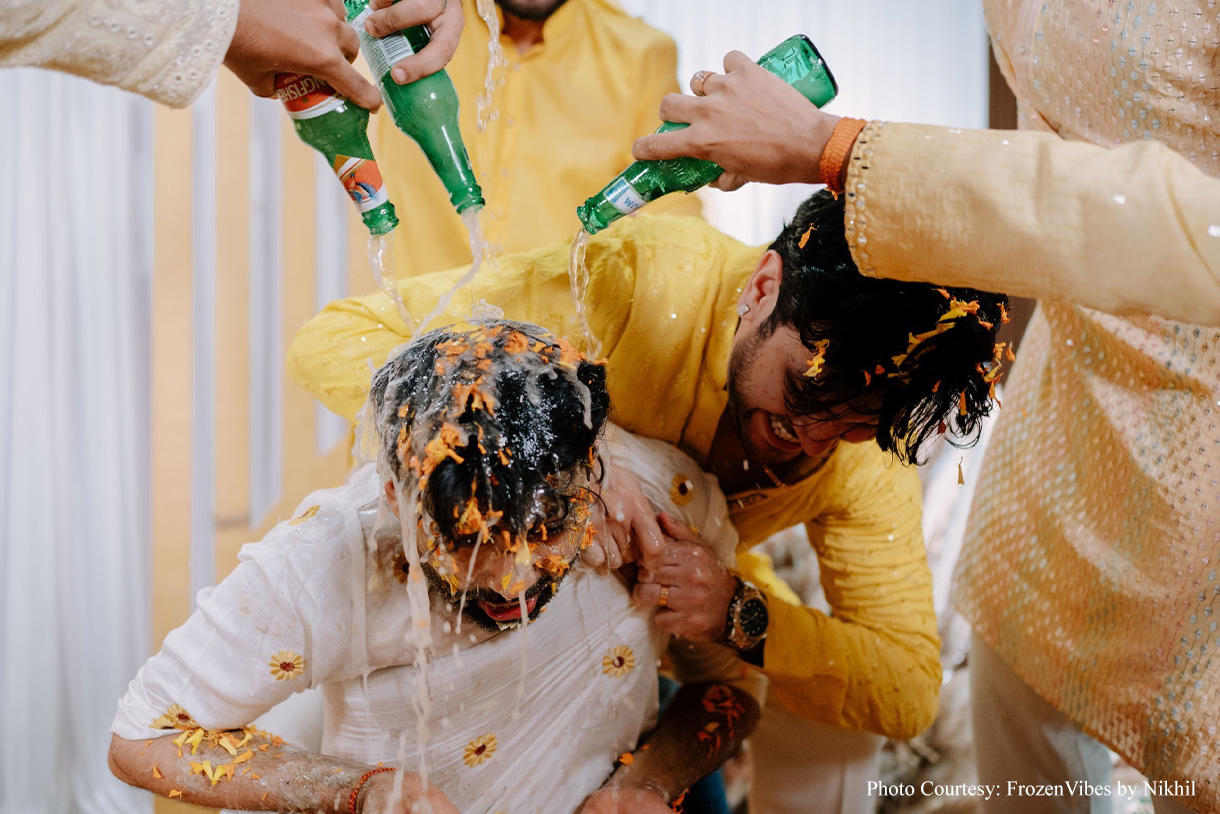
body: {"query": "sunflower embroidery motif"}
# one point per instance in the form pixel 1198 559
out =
pixel 682 490
pixel 480 750
pixel 175 718
pixel 303 516
pixel 402 568
pixel 286 665
pixel 618 662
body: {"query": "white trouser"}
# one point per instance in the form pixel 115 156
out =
pixel 1019 737
pixel 804 767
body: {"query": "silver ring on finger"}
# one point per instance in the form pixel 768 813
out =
pixel 697 81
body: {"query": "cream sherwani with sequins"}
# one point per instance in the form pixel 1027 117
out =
pixel 167 50
pixel 1091 559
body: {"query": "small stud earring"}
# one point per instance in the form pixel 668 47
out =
pixel 742 309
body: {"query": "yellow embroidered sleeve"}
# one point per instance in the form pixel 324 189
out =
pixel 1129 230
pixel 875 664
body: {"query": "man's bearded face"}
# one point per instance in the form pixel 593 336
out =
pixel 770 433
pixel 536 10
pixel 497 582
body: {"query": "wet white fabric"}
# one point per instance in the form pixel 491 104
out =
pixel 310 591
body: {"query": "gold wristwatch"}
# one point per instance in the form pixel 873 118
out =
pixel 746 624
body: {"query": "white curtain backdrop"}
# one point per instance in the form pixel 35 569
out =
pixel 918 62
pixel 75 281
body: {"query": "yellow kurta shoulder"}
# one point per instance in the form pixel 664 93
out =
pixel 650 281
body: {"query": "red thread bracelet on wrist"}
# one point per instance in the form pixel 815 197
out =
pixel 351 802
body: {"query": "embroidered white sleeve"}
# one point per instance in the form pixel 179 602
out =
pixel 167 50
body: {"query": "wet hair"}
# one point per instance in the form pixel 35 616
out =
pixel 919 357
pixel 499 413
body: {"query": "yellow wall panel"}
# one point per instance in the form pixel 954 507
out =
pixel 171 376
pixel 232 322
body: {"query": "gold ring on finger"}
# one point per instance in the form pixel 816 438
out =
pixel 663 602
pixel 697 81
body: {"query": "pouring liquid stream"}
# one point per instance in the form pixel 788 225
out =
pixel 578 278
pixel 381 260
pixel 495 59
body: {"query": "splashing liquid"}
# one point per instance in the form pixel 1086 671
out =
pixel 420 636
pixel 478 250
pixel 495 59
pixel 578 277
pixel 381 260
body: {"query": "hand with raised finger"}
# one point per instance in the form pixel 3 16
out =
pixel 631 530
pixel 606 550
pixel 748 121
pixel 309 37
pixel 444 19
pixel 690 585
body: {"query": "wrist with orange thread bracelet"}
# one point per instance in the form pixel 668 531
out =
pixel 351 801
pixel 836 152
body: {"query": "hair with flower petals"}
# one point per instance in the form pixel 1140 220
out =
pixel 495 425
pixel 921 358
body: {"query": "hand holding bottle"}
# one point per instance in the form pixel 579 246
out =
pixel 309 37
pixel 312 38
pixel 747 120
pixel 444 20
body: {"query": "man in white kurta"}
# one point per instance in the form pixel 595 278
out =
pixel 514 726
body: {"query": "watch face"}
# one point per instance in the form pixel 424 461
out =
pixel 753 617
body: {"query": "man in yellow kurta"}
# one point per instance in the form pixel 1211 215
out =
pixel 1089 567
pixel 666 297
pixel 583 79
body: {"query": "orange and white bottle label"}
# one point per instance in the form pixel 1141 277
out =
pixel 305 97
pixel 362 180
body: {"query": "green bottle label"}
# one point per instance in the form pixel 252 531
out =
pixel 623 197
pixel 305 97
pixel 381 52
pixel 362 180
pixel 795 60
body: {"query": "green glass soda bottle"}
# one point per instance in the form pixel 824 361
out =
pixel 795 60
pixel 426 110
pixel 337 129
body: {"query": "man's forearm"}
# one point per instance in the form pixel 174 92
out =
pixel 250 771
pixel 701 729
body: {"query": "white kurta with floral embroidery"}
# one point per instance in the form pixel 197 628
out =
pixel 314 604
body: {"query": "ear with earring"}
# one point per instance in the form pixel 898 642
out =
pixel 742 309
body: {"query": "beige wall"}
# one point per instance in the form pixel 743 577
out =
pixel 303 469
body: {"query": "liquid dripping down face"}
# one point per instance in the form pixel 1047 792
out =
pixel 489 571
pixel 493 428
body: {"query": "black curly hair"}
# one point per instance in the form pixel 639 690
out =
pixel 921 358
pixel 498 412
